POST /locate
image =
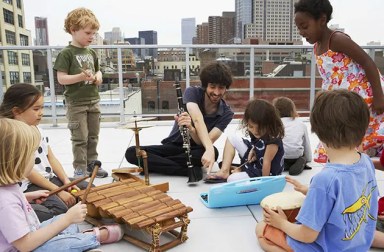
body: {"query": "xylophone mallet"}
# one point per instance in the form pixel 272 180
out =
pixel 97 165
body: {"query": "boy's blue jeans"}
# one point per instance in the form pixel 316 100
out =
pixel 69 240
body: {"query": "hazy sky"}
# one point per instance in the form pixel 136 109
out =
pixel 362 20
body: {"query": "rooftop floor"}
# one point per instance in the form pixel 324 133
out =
pixel 220 229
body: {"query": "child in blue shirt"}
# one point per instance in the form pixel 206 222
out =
pixel 340 209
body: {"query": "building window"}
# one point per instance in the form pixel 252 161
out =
pixel 151 106
pixel 8 1
pixel 14 77
pixel 18 3
pixel 12 58
pixel 25 61
pixel 24 40
pixel 20 17
pixel 165 105
pixel 8 17
pixel 10 37
pixel 27 77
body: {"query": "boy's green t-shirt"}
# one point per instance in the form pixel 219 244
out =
pixel 71 60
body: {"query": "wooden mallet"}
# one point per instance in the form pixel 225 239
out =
pixel 97 165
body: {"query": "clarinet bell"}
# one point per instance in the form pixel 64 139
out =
pixel 195 174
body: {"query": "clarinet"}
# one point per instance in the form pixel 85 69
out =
pixel 185 134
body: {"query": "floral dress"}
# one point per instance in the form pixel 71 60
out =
pixel 339 71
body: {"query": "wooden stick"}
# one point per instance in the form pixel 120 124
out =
pixel 61 188
pixel 246 162
pixel 84 72
pixel 94 173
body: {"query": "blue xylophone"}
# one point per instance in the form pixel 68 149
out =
pixel 243 192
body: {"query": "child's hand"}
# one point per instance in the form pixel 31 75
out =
pixel 274 219
pixel 297 185
pixel 67 198
pixel 380 217
pixel 98 80
pixel 235 169
pixel 37 197
pixel 69 189
pixel 88 76
pixel 76 213
pixel 378 105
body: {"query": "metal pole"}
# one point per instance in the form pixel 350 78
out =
pixel 121 90
pixel 187 78
pixel 252 73
pixel 313 81
pixel 158 96
pixel 52 87
pixel 1 86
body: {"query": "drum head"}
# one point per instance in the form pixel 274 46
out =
pixel 285 200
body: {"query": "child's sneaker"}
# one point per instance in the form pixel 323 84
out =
pixel 101 173
pixel 78 173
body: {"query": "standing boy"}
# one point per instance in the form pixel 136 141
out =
pixel 340 209
pixel 78 70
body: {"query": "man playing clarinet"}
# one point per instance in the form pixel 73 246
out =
pixel 206 117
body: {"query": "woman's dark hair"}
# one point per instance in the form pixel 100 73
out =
pixel 216 73
pixel 315 8
pixel 265 115
pixel 21 96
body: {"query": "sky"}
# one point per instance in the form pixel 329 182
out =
pixel 362 20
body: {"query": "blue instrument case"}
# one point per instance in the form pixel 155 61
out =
pixel 243 192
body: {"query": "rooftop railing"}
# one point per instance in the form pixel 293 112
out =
pixel 262 71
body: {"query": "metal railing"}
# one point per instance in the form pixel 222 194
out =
pixel 252 50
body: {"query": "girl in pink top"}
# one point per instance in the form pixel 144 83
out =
pixel 20 229
pixel 343 65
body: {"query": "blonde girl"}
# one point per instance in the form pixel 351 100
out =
pixel 20 229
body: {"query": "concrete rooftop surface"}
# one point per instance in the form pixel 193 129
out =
pixel 220 229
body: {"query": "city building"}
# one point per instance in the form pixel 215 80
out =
pixel 273 22
pixel 188 30
pixel 218 30
pixel 336 27
pixel 113 36
pixel 16 66
pixel 173 60
pixel 41 31
pixel 139 52
pixel 202 36
pixel 243 9
pixel 150 38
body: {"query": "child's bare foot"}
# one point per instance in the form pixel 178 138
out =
pixel 218 177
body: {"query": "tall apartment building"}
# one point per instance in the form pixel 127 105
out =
pixel 202 34
pixel 221 29
pixel 188 30
pixel 41 31
pixel 150 38
pixel 16 65
pixel 228 27
pixel 243 9
pixel 273 22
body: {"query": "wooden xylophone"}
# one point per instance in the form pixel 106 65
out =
pixel 141 207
